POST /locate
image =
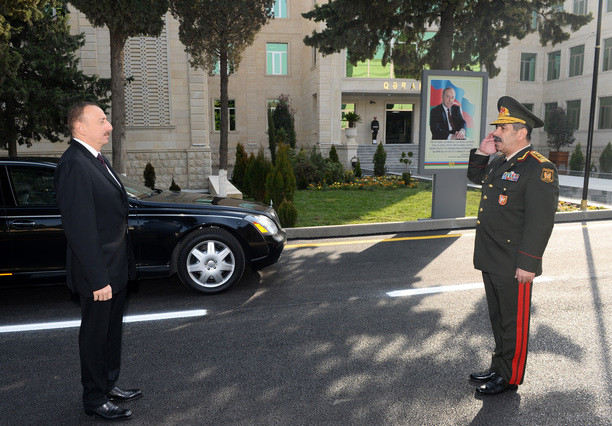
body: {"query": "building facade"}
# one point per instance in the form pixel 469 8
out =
pixel 172 109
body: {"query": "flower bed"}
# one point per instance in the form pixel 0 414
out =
pixel 368 182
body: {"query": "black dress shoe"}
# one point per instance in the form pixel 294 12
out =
pixel 495 386
pixel 484 376
pixel 116 394
pixel 109 411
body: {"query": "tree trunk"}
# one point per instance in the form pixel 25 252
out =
pixel 224 110
pixel 117 42
pixel 445 52
pixel 10 130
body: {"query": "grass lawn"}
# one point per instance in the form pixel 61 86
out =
pixel 339 207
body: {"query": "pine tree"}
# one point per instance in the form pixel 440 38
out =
pixel 379 160
pixel 218 32
pixel 271 136
pixel 40 76
pixel 470 33
pixel 283 119
pixel 280 182
pixel 240 167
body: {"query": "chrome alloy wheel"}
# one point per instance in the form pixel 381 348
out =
pixel 210 263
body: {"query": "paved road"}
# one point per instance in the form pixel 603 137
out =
pixel 319 339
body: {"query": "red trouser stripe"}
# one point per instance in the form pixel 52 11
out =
pixel 522 329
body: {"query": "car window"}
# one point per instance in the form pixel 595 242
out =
pixel 32 186
pixel 135 189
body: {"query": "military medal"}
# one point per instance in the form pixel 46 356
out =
pixel 503 199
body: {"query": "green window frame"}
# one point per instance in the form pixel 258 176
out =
pixel 276 58
pixel 573 113
pixel 528 63
pixel 580 7
pixel 548 106
pixel 607 54
pixel 280 9
pixel 529 107
pixel 554 65
pixel 576 60
pixel 605 112
pixel 231 106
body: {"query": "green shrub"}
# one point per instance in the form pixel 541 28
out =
pixel 317 160
pixel 577 160
pixel 605 159
pixel 334 172
pixel 333 155
pixel 358 170
pixel 305 172
pixel 280 182
pixel 287 214
pixel 349 176
pixel 174 186
pixel 242 161
pixel 406 178
pixel 149 176
pixel 257 170
pixel 379 160
pixel 271 136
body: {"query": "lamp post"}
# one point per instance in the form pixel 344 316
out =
pixel 589 148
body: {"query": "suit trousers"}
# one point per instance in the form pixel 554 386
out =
pixel 509 304
pixel 100 347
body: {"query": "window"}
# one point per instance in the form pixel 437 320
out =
pixel 231 106
pixel 280 9
pixel 607 53
pixel 576 60
pixel 346 108
pixel 529 107
pixel 547 108
pixel 276 58
pixel 33 185
pixel 580 7
pixel 609 8
pixel 573 113
pixel 605 113
pixel 554 65
pixel 528 61
pixel 230 68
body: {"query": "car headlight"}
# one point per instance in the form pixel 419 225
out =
pixel 264 224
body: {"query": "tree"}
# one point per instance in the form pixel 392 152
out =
pixel 271 136
pixel 559 129
pixel 216 33
pixel 284 120
pixel 125 18
pixel 43 78
pixel 470 33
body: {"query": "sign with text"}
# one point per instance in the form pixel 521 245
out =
pixel 453 113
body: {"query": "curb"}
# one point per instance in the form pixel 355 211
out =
pixel 336 231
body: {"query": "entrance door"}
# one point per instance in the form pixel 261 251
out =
pixel 399 127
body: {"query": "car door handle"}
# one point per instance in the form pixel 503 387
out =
pixel 23 224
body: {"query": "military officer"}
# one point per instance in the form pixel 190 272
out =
pixel 520 191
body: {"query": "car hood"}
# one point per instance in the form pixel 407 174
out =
pixel 192 199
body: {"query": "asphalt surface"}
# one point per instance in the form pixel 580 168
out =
pixel 319 339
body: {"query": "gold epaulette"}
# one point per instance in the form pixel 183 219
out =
pixel 539 157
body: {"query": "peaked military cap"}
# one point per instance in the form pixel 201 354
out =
pixel 512 111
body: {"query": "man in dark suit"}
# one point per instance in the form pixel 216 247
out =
pixel 94 208
pixel 520 191
pixel 446 120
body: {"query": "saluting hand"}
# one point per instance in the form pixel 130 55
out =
pixel 487 146
pixel 103 294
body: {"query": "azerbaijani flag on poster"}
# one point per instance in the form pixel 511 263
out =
pixel 467 108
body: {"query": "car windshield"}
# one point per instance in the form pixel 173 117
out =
pixel 137 190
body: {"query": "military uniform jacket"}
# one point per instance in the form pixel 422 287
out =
pixel 517 211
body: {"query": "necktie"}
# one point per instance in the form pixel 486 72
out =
pixel 450 118
pixel 101 159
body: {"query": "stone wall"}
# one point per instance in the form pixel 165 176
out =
pixel 189 168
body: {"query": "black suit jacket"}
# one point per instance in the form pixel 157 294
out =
pixel 517 211
pixel 438 123
pixel 94 211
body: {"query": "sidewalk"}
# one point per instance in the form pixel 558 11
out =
pixel 570 190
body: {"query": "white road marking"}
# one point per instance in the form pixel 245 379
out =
pixel 447 288
pixel 77 323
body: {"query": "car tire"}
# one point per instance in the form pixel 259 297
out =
pixel 210 261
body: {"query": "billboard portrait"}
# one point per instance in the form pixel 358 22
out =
pixel 453 109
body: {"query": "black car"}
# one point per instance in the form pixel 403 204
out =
pixel 207 240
